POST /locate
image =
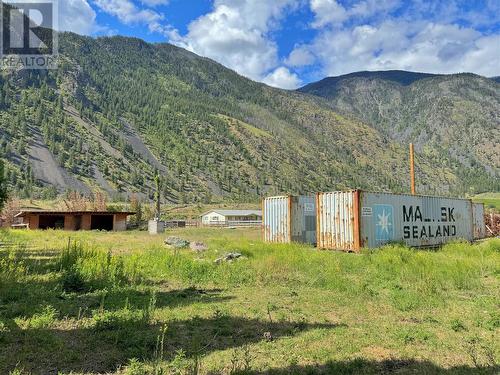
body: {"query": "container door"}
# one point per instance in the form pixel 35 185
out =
pixel 337 220
pixel 479 226
pixel 303 219
pixel 276 218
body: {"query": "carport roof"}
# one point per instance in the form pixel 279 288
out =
pixel 49 212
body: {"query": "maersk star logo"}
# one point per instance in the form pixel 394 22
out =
pixel 384 222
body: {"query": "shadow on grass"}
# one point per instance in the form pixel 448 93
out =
pixel 105 349
pixel 118 298
pixel 367 367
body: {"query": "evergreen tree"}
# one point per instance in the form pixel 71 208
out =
pixel 3 185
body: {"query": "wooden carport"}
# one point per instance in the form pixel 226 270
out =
pixel 75 220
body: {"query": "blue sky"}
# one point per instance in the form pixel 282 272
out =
pixel 288 43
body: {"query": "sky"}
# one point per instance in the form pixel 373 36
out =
pixel 289 43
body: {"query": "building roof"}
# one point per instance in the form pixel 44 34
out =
pixel 235 212
pixel 55 212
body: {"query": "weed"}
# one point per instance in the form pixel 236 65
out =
pixel 104 320
pixel 160 344
pixel 85 269
pixel 44 319
pixel 18 371
pixel 135 367
pixel 266 318
pixel 457 325
pixel 481 351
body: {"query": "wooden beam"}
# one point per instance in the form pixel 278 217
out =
pixel 412 169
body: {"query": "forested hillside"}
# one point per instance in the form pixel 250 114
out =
pixel 118 110
pixel 454 119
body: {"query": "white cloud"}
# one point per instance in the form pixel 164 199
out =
pixel 331 12
pixel 300 56
pixel 421 36
pixel 419 46
pixel 154 3
pixel 129 14
pixel 77 16
pixel 327 11
pixel 283 78
pixel 236 34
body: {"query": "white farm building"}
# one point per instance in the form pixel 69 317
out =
pixel 232 218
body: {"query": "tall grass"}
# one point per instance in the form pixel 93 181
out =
pixel 410 277
pixel 86 269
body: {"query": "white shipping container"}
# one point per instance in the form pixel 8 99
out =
pixel 289 219
pixel 356 219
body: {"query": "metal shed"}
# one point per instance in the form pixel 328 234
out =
pixel 289 218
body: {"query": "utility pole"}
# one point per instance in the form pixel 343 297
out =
pixel 156 226
pixel 157 197
pixel 412 169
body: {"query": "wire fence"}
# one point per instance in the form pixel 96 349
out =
pixel 232 223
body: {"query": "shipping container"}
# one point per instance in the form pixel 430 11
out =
pixel 289 219
pixel 479 225
pixel 355 219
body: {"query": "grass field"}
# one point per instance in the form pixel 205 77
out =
pixel 490 200
pixel 95 302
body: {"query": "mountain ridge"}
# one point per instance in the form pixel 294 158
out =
pixel 456 115
pixel 117 104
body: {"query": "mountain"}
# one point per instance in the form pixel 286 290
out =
pixel 327 86
pixel 453 119
pixel 119 110
pixel 496 79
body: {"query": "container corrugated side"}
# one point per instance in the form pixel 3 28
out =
pixel 303 219
pixel 479 225
pixel 418 221
pixel 337 220
pixel 276 219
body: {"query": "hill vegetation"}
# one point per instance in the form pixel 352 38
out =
pixel 119 110
pixel 453 119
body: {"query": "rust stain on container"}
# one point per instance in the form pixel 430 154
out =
pixel 352 220
pixel 336 221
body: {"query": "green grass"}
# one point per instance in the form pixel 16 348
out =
pixel 96 302
pixel 490 200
